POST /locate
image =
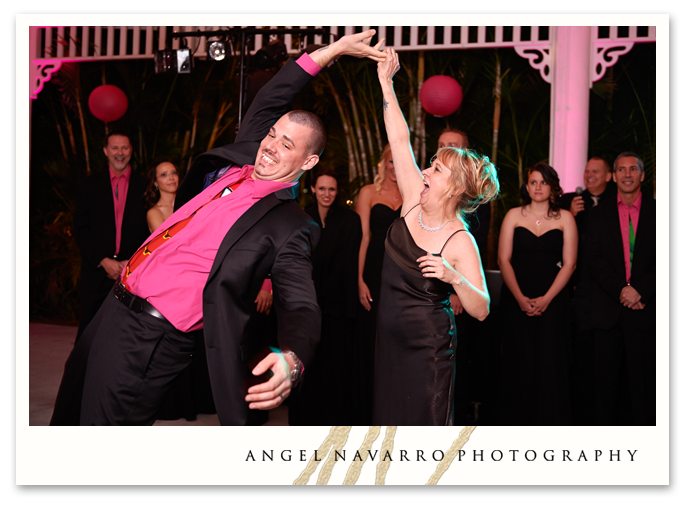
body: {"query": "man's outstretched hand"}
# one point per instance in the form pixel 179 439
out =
pixel 273 392
pixel 357 45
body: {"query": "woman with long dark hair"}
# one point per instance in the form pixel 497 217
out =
pixel 537 254
pixel 326 396
pixel 159 196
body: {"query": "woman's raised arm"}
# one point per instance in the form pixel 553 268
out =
pixel 408 175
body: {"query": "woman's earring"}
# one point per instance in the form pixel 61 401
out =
pixel 156 186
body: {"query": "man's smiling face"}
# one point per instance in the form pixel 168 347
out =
pixel 596 176
pixel 283 155
pixel 118 152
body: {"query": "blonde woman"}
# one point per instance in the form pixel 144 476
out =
pixel 378 205
pixel 429 255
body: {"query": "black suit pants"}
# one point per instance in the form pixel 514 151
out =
pixel 91 300
pixel 626 370
pixel 132 362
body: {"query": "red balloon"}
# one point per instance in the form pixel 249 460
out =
pixel 440 95
pixel 108 102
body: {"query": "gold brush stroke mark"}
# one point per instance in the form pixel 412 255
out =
pixel 354 471
pixel 387 446
pixel 337 433
pixel 340 437
pixel 459 442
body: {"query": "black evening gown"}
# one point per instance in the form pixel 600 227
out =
pixel 326 395
pixel 416 339
pixel 535 359
pixel 381 218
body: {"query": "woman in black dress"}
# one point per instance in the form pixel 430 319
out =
pixel 378 205
pixel 326 395
pixel 416 333
pixel 537 255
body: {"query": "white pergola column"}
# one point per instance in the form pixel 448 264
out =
pixel 569 103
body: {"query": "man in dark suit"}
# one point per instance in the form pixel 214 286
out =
pixel 620 256
pixel 109 224
pixel 597 175
pixel 470 350
pixel 205 270
pixel 597 181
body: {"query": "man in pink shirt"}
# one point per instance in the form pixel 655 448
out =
pixel 109 224
pixel 620 256
pixel 203 267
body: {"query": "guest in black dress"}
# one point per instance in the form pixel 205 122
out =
pixel 416 333
pixel 378 205
pixel 326 396
pixel 537 255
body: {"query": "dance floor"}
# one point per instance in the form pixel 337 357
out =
pixel 49 347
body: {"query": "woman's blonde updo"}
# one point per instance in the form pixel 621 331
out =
pixel 379 178
pixel 474 178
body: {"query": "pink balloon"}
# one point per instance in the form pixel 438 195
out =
pixel 108 103
pixel 440 95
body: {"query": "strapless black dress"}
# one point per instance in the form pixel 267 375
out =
pixel 416 339
pixel 535 360
pixel 381 218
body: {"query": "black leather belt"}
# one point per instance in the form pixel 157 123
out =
pixel 134 303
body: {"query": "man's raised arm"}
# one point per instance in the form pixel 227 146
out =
pixel 357 45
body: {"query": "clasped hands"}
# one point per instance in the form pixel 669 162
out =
pixel 112 267
pixel 535 306
pixel 630 298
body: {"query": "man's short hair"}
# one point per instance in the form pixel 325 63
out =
pixel 318 139
pixel 464 137
pixel 115 132
pixel 640 162
pixel 598 158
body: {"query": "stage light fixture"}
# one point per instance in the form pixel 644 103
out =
pixel 169 61
pixel 216 50
pixel 184 60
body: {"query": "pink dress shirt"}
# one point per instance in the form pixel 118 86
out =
pixel 121 183
pixel 172 279
pixel 626 213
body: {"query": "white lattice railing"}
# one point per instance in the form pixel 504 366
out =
pixel 82 43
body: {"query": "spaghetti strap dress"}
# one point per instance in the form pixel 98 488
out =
pixel 416 339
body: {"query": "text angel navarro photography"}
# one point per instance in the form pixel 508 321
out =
pixel 548 455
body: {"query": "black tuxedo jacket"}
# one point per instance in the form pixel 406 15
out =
pixel 604 258
pixel 94 225
pixel 273 238
pixel 582 218
pixel 580 278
